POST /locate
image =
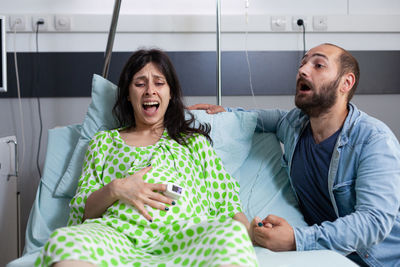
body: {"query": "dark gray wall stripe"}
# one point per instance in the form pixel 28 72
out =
pixel 69 74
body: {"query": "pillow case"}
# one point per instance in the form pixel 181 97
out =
pixel 231 133
pixel 60 146
pixel 98 118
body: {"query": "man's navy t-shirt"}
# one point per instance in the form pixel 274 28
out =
pixel 309 174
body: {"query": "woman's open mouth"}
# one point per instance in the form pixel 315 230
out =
pixel 150 108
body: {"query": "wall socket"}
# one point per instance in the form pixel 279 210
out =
pixel 320 23
pixel 62 23
pixel 17 22
pixel 42 27
pixel 296 27
pixel 278 23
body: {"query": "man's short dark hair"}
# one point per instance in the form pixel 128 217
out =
pixel 348 64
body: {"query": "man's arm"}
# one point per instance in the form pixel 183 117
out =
pixel 377 206
pixel 377 203
pixel 267 120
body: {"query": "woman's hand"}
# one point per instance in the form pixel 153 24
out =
pixel 256 222
pixel 274 233
pixel 209 108
pixel 240 217
pixel 134 191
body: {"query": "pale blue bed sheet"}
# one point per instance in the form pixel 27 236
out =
pixel 252 158
pixel 264 190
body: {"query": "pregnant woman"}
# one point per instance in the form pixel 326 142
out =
pixel 121 215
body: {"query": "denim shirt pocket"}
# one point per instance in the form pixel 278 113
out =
pixel 345 197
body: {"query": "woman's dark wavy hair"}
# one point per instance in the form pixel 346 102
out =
pixel 177 126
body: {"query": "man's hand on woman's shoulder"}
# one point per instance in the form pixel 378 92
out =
pixel 209 108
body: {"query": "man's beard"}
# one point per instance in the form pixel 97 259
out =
pixel 321 102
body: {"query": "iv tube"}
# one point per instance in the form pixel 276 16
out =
pixel 247 54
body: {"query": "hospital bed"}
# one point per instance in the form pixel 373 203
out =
pixel 252 158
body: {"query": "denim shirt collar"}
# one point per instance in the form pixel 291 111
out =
pixel 350 121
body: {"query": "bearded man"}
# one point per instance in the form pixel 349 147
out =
pixel 343 165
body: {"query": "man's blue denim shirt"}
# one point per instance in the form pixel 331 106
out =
pixel 364 186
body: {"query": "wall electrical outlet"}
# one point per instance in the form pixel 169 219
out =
pixel 278 23
pixel 320 23
pixel 296 27
pixel 42 27
pixel 62 23
pixel 17 22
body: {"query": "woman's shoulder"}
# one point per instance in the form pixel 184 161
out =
pixel 104 134
pixel 197 138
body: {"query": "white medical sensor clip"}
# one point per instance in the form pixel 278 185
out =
pixel 174 191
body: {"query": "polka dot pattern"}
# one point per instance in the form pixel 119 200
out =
pixel 197 231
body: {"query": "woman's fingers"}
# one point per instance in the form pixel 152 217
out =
pixel 157 187
pixel 140 193
pixel 161 198
pixel 152 200
pixel 143 171
pixel 139 205
pixel 156 204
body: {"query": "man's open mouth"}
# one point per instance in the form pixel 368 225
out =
pixel 304 86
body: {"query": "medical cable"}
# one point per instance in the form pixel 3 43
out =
pixel 304 40
pixel 300 22
pixel 247 4
pixel 255 184
pixel 38 99
pixel 246 52
pixel 19 97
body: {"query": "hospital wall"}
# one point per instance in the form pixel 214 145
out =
pixel 59 111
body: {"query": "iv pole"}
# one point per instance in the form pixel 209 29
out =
pixel 113 28
pixel 111 35
pixel 219 85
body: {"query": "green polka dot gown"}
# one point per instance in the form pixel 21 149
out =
pixel 197 231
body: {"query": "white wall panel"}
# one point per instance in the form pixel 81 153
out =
pixel 96 42
pixel 174 6
pixel 381 7
pixel 304 7
pixel 207 23
pixel 324 7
